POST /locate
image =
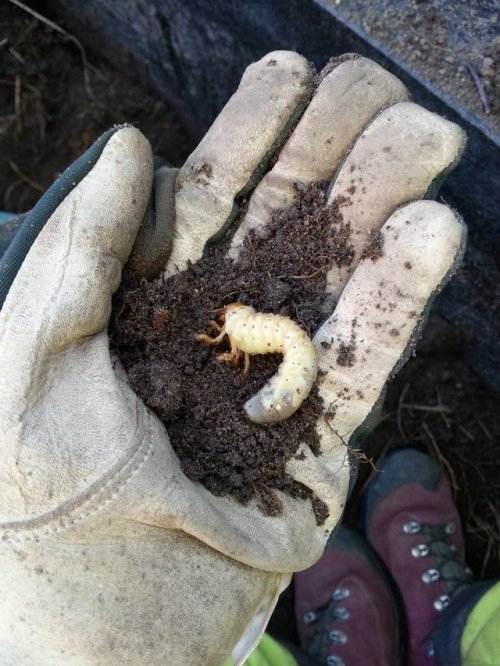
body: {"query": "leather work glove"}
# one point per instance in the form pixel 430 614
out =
pixel 109 554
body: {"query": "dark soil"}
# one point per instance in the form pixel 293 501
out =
pixel 199 398
pixel 436 403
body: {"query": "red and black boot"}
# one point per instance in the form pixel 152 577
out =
pixel 345 610
pixel 410 519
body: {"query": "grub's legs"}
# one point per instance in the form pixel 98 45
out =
pixel 246 366
pixel 211 341
pixel 232 356
pixel 213 324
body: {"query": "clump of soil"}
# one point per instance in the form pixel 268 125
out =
pixel 201 399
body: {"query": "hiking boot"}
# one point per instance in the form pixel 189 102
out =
pixel 411 521
pixel 345 610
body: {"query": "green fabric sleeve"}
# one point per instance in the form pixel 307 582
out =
pixel 268 653
pixel 480 645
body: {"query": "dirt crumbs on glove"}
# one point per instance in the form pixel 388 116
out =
pixel 199 398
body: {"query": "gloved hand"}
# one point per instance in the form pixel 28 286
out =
pixel 109 554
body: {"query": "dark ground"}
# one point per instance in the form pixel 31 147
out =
pixel 47 118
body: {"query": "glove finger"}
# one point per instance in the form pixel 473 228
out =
pixel 383 308
pixel 63 289
pixel 236 150
pixel 352 91
pixel 375 326
pixel 401 156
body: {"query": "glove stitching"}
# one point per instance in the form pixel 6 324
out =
pixel 96 501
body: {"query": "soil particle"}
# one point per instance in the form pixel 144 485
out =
pixel 336 61
pixel 200 398
pixel 200 174
pixel 346 357
pixel 375 249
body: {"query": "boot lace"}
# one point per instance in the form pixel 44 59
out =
pixel 436 543
pixel 328 629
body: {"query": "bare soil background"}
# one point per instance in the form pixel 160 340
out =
pixel 453 45
pixel 48 117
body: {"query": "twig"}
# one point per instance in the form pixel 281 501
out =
pixel 484 429
pixel 483 530
pixel 297 316
pixel 17 105
pixel 237 291
pixel 361 457
pixel 335 432
pixel 442 460
pixel 443 415
pixel 470 437
pixel 24 177
pixel 376 470
pixel 480 87
pixel 17 55
pixel 426 408
pixel 494 513
pixel 67 35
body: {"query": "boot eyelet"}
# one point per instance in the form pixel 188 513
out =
pixel 431 576
pixel 310 617
pixel 333 660
pixel 450 528
pixel 340 593
pixel 341 614
pixel 442 602
pixel 422 550
pixel 412 527
pixel 337 637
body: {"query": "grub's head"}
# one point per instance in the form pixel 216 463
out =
pixel 230 310
pixel 237 310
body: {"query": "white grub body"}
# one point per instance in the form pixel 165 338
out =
pixel 261 333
